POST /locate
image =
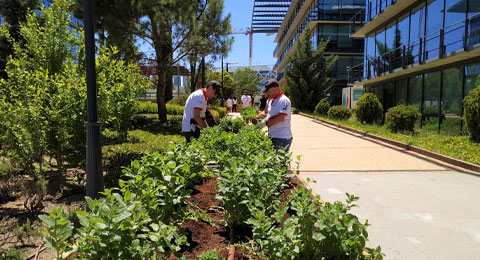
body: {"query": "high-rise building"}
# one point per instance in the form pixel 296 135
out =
pixel 424 53
pixel 328 20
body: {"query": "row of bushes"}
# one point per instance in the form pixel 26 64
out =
pixel 369 110
pixel 175 109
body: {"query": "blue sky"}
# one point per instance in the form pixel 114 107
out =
pixel 263 46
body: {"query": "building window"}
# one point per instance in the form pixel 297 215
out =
pixel 401 92
pixel 415 85
pixel 451 101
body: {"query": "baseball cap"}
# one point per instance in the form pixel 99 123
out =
pixel 271 84
pixel 216 86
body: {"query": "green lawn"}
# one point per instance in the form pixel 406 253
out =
pixel 459 147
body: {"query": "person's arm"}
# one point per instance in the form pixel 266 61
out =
pixel 276 119
pixel 196 116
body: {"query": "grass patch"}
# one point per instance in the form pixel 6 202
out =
pixel 459 147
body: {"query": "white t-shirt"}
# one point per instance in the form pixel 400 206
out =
pixel 256 99
pixel 276 106
pixel 229 102
pixel 234 101
pixel 196 100
pixel 246 100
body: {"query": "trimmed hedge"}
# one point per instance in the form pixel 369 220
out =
pixel 402 118
pixel 118 156
pixel 222 111
pixel 339 112
pixel 179 101
pixel 369 109
pixel 472 113
pixel 322 107
pixel 231 124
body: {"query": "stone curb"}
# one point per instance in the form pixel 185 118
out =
pixel 434 155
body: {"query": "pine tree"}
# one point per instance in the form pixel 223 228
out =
pixel 306 73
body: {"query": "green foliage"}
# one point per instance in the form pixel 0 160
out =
pixel 58 230
pixel 306 73
pixel 228 81
pixel 246 80
pixel 402 118
pixel 14 238
pixel 116 156
pixel 315 231
pixel 233 125
pixel 295 110
pixel 222 111
pixel 322 107
pixel 472 113
pixel 369 110
pixel 180 101
pixel 248 114
pixel 119 85
pixel 43 102
pixel 339 112
pixel 8 181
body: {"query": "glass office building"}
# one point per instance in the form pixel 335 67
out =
pixel 424 53
pixel 331 20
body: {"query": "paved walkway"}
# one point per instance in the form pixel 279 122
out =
pixel 417 208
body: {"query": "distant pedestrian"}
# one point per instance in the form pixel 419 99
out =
pixel 278 116
pixel 256 100
pixel 263 102
pixel 234 104
pixel 195 108
pixel 229 105
pixel 246 100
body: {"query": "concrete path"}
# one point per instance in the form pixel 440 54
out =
pixel 417 208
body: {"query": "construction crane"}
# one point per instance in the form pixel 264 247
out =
pixel 247 31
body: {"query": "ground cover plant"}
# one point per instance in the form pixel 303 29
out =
pixel 460 147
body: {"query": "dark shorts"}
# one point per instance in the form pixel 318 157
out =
pixel 279 143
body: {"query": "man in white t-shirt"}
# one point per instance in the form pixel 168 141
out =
pixel 278 116
pixel 246 100
pixel 229 104
pixel 195 107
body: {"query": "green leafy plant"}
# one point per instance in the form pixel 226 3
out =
pixel 314 231
pixel 402 118
pixel 248 114
pixel 339 112
pixel 369 110
pixel 59 229
pixel 322 107
pixel 472 113
pixel 228 124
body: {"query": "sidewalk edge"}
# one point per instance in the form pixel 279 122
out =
pixel 434 155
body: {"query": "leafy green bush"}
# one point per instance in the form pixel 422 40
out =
pixel 369 109
pixel 315 231
pixel 222 111
pixel 179 101
pixel 402 118
pixel 339 112
pixel 228 124
pixel 118 156
pixel 322 107
pixel 295 110
pixel 248 114
pixel 147 108
pixel 472 113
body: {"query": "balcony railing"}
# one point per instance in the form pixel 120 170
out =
pixel 437 45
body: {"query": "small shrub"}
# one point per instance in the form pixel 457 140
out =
pixel 222 111
pixel 295 110
pixel 231 124
pixel 248 114
pixel 215 115
pixel 118 156
pixel 402 118
pixel 369 109
pixel 339 112
pixel 472 113
pixel 322 107
pixel 147 108
pixel 174 109
pixel 179 101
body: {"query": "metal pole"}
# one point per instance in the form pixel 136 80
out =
pixel 94 152
pixel 222 70
pixel 178 80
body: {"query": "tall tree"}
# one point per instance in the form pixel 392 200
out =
pixel 228 81
pixel 246 80
pixel 174 29
pixel 306 73
pixel 14 12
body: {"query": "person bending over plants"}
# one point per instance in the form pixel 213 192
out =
pixel 195 109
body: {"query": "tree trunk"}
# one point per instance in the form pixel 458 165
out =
pixel 193 79
pixel 203 72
